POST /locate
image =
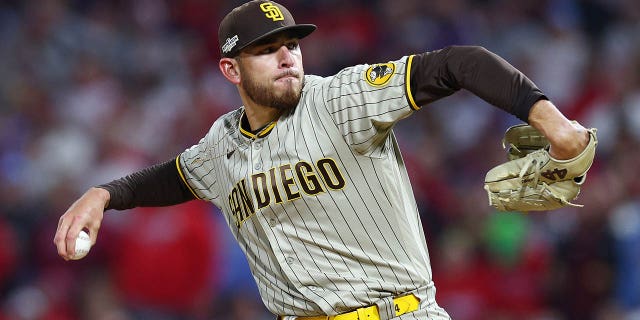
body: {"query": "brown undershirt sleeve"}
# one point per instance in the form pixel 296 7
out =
pixel 155 186
pixel 437 74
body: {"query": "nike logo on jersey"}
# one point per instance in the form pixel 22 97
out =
pixel 286 182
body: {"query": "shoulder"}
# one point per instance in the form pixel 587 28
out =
pixel 227 123
pixel 312 81
pixel 374 74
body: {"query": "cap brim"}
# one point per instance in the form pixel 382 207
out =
pixel 298 31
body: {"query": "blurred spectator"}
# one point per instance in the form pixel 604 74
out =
pixel 164 261
pixel 625 223
pixel 9 249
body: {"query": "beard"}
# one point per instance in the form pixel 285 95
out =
pixel 265 95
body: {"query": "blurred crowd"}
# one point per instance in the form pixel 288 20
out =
pixel 91 90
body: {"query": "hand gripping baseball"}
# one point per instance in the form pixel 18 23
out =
pixel 533 180
pixel 85 213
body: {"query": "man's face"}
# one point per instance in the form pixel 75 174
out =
pixel 271 72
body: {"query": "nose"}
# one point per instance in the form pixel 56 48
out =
pixel 285 57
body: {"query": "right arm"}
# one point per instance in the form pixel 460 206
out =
pixel 158 185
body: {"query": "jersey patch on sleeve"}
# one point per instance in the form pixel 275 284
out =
pixel 379 74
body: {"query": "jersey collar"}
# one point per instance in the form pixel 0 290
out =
pixel 260 133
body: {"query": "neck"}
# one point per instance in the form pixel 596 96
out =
pixel 259 116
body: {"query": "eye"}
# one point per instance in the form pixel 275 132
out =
pixel 271 48
pixel 267 50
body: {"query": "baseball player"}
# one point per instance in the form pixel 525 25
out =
pixel 308 173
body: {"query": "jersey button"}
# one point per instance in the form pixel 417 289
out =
pixel 257 166
pixel 272 222
pixel 257 145
pixel 290 260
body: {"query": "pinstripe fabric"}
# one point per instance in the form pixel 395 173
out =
pixel 322 205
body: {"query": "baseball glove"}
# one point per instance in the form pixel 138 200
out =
pixel 532 180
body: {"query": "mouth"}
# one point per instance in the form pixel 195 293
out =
pixel 288 76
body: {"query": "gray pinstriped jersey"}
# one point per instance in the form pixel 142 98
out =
pixel 320 201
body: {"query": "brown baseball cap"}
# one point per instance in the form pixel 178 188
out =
pixel 256 20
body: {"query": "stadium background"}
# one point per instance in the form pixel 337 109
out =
pixel 91 90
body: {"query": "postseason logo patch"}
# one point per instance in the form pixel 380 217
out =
pixel 229 44
pixel 380 74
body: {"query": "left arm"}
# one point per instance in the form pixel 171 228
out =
pixel 437 74
pixel 567 139
pixel 440 73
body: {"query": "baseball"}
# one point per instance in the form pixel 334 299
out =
pixel 83 244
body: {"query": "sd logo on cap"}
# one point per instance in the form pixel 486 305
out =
pixel 256 20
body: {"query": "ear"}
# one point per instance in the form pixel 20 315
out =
pixel 230 70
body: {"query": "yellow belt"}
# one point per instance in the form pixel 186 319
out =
pixel 402 305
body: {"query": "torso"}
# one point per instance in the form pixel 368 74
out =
pixel 321 203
